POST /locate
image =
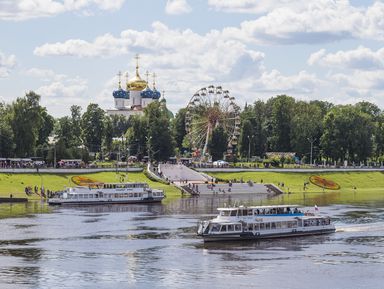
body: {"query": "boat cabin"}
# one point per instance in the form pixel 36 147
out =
pixel 260 211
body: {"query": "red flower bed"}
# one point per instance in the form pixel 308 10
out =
pixel 324 183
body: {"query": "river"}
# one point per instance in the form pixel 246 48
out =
pixel 155 246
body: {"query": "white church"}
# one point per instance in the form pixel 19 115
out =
pixel 135 97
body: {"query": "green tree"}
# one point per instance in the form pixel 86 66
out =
pixel 246 138
pixel 306 128
pixel 92 123
pixel 379 136
pixel 253 124
pixel 160 141
pixel 7 145
pixel 76 129
pixel 136 136
pixel 120 125
pixel 26 122
pixel 281 114
pixel 347 134
pixel 108 135
pixel 178 128
pixel 218 143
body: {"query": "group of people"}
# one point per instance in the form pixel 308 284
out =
pixel 35 190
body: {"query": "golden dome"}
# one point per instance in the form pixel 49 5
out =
pixel 136 83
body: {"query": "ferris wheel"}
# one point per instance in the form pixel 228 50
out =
pixel 209 108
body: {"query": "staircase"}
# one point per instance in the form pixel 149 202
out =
pixel 180 173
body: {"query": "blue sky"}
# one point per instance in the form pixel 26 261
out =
pixel 70 51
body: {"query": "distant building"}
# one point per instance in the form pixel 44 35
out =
pixel 136 96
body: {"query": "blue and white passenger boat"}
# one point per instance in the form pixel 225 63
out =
pixel 107 193
pixel 262 222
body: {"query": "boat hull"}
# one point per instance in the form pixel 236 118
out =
pixel 251 236
pixel 103 202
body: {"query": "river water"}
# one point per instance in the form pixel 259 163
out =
pixel 155 246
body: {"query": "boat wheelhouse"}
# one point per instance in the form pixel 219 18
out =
pixel 107 193
pixel 248 223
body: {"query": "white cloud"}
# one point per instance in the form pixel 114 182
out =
pixel 177 7
pixel 361 58
pixel 42 74
pixel 274 81
pixel 6 64
pixel 253 6
pixel 361 80
pixel 27 9
pixel 315 22
pixel 59 90
pixel 103 46
pixel 205 55
pixel 315 57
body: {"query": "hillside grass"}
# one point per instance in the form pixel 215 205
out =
pixel 15 183
pixel 369 186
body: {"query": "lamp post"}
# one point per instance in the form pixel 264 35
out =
pixel 149 147
pixel 52 140
pixel 311 141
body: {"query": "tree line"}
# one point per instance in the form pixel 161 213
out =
pixel 353 133
pixel 336 133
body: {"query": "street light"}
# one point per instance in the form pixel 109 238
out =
pixel 52 140
pixel 311 141
pixel 149 147
pixel 249 147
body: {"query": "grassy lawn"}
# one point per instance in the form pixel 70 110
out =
pixel 16 183
pixel 369 186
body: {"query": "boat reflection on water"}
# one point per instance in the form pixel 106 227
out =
pixel 155 208
pixel 284 244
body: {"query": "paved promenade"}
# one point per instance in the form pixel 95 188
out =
pixel 68 171
pixel 293 170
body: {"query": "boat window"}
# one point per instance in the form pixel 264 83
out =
pixel 273 225
pixel 224 213
pixel 223 228
pixel 237 227
pixel 140 195
pixel 250 212
pixel 215 227
pixel 278 225
pixel 267 226
pixel 233 213
pixel 231 228
pixel 135 195
pixel 262 226
pixel 256 227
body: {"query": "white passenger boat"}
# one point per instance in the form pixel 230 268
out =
pixel 247 223
pixel 107 193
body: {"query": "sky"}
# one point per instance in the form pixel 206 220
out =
pixel 70 51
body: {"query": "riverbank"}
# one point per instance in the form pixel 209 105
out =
pixel 15 183
pixel 354 186
pixel 350 181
